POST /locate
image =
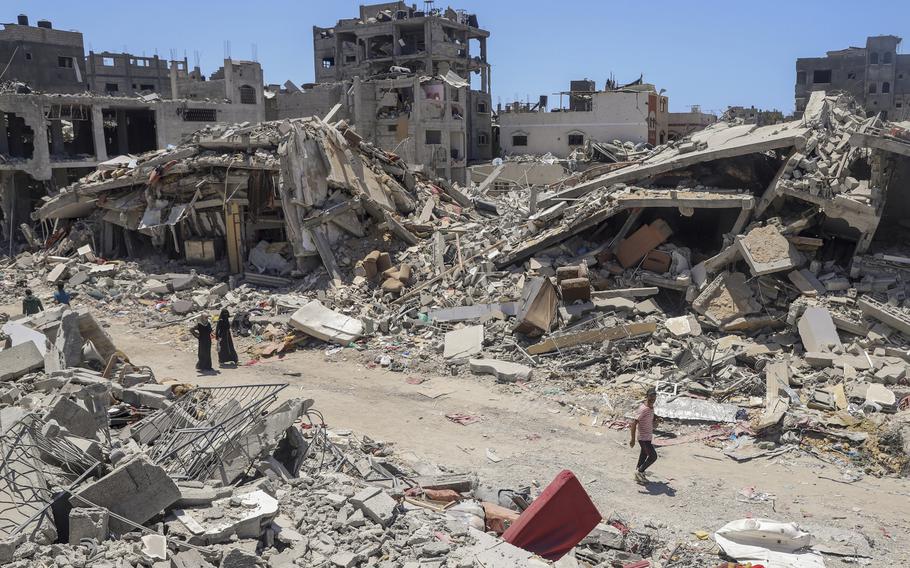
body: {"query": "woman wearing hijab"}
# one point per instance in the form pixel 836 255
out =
pixel 226 351
pixel 203 331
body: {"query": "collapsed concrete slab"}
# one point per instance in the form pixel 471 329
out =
pixel 322 323
pixel 766 251
pixel 136 490
pixel 504 371
pixel 726 298
pixel 243 516
pixel 463 343
pixel 537 307
pixel 19 360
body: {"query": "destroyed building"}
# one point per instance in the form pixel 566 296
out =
pixel 634 113
pixel 752 115
pixel 54 131
pixel 877 76
pixel 404 79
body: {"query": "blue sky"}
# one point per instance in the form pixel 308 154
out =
pixel 712 53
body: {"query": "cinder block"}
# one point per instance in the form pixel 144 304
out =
pixel 657 261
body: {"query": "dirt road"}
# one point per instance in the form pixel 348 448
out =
pixel 536 438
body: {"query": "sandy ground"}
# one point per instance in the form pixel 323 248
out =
pixel 536 438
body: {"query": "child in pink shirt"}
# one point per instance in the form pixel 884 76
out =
pixel 643 425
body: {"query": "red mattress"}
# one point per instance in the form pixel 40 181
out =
pixel 556 521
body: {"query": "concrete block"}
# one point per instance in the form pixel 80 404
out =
pixel 88 522
pixel 370 265
pixel 19 360
pixel 569 272
pixel 683 326
pixel 78 278
pixel 183 307
pixel 375 504
pixel 344 559
pixel 19 333
pixel 817 330
pixel 463 343
pixel 605 535
pixel 137 490
pixel 504 371
pixel 219 290
pixel 57 274
pixel 891 374
pixel 806 283
pixel 766 251
pixel 574 289
pixel 383 262
pixel 74 418
pixel 134 379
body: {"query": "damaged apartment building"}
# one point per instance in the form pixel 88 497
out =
pixel 635 113
pixel 877 76
pixel 62 113
pixel 414 82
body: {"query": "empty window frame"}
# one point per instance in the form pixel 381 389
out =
pixel 107 61
pixel 886 57
pixel 145 87
pixel 821 76
pixel 519 140
pixel 873 88
pixel 576 139
pixel 886 87
pixel 433 137
pixel 66 62
pixel 111 88
pixel 200 115
pixel 873 58
pixel 328 62
pixel 247 95
pixel 483 139
pixel 481 106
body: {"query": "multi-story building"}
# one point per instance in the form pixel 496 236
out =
pixel 876 75
pixel 125 74
pixel 42 57
pixel 631 113
pixel 404 78
pixel 682 124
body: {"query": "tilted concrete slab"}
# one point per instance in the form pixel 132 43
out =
pixel 615 201
pixel 723 141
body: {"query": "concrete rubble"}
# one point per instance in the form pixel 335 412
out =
pixel 748 273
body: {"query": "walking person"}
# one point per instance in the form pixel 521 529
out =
pixel 61 296
pixel 203 331
pixel 31 304
pixel 226 352
pixel 643 427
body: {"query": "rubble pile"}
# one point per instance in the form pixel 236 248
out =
pixel 114 469
pixel 696 268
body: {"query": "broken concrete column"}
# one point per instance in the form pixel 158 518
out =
pixel 67 348
pixel 88 523
pixel 136 490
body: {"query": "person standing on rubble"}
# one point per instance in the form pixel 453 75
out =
pixel 203 332
pixel 643 426
pixel 226 351
pixel 31 304
pixel 61 296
